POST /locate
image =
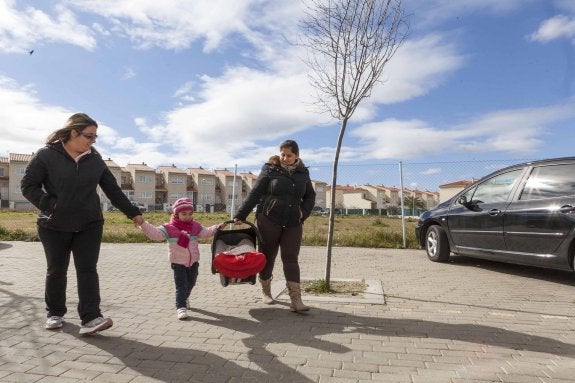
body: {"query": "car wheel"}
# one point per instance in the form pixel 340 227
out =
pixel 436 244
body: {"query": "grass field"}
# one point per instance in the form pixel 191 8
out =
pixel 352 231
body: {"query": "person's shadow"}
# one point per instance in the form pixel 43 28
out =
pixel 312 330
pixel 4 246
pixel 172 364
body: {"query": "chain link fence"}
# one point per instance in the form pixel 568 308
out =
pixel 411 176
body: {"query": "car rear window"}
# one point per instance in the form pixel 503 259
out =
pixel 550 181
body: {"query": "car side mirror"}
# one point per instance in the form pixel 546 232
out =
pixel 463 200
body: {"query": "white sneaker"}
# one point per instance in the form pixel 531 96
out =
pixel 96 325
pixel 54 322
pixel 182 313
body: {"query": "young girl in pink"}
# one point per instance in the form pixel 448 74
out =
pixel 181 235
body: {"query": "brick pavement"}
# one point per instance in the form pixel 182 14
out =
pixel 465 321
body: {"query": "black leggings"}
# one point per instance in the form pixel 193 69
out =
pixel 286 239
pixel 85 248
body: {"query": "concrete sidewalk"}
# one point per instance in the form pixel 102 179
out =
pixel 465 321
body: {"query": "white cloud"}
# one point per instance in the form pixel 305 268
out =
pixel 184 92
pixel 23 30
pixel 512 131
pixel 236 110
pixel 431 171
pixel 171 24
pixel 129 73
pixel 266 105
pixel 419 66
pixel 557 27
pixel 24 122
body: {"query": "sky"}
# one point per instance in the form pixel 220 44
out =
pixel 219 84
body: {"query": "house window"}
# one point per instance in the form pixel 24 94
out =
pixel 145 179
pixel 176 196
pixel 206 198
pixel 177 180
pixel 146 194
pixel 20 171
pixel 206 181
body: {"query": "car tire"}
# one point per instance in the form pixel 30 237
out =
pixel 436 244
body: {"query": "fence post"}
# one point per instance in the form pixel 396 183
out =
pixel 233 206
pixel 402 207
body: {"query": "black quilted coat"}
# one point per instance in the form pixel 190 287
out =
pixel 280 195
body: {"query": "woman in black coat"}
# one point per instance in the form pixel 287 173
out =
pixel 61 180
pixel 285 197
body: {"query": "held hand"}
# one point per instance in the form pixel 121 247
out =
pixel 237 221
pixel 138 220
pixel 222 226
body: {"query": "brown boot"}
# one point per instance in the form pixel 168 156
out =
pixel 295 297
pixel 267 291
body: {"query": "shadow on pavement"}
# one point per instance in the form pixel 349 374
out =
pixel 564 277
pixel 272 326
pixel 4 246
pixel 16 306
pixel 268 330
pixel 171 364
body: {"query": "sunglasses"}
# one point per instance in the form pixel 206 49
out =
pixel 89 136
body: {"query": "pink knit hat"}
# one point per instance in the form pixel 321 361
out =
pixel 182 204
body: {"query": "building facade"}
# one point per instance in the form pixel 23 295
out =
pixel 210 190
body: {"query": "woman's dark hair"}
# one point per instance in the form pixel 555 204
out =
pixel 292 145
pixel 77 122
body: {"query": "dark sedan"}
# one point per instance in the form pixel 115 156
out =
pixel 522 214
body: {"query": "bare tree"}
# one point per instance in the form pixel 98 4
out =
pixel 349 42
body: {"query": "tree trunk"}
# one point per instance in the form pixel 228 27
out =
pixel 332 210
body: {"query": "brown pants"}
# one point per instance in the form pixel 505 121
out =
pixel 286 239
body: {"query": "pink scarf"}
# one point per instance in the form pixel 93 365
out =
pixel 183 230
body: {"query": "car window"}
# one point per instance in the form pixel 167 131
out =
pixel 496 189
pixel 550 181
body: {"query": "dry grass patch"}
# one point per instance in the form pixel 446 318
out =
pixel 349 231
pixel 319 287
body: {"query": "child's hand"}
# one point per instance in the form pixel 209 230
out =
pixel 222 226
pixel 138 220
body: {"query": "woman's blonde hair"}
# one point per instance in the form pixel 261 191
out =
pixel 77 122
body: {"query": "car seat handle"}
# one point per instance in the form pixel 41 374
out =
pixel 249 224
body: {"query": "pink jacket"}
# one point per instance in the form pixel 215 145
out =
pixel 183 256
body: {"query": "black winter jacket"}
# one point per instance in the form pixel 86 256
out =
pixel 66 191
pixel 280 195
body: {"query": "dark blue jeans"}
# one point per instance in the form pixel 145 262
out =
pixel 85 247
pixel 185 279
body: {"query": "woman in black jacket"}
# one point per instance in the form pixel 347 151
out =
pixel 285 197
pixel 61 180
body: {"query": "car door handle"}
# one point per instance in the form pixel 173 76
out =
pixel 566 209
pixel 494 212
